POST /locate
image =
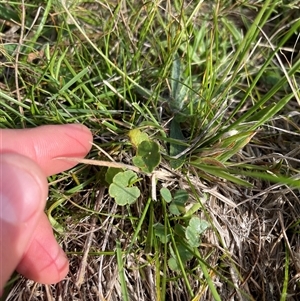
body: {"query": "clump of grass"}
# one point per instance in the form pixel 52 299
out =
pixel 196 105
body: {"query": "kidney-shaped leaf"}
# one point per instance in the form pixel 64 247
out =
pixel 121 189
pixel 193 231
pixel 148 156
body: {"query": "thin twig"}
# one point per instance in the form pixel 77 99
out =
pixel 101 163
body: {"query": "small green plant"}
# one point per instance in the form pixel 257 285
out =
pixel 166 194
pixel 148 156
pixel 186 235
pixel 147 151
pixel 210 93
pixel 193 231
pixel 122 189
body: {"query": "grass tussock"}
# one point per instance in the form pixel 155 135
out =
pixel 214 87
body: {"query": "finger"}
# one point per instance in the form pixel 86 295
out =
pixel 23 193
pixel 44 261
pixel 45 143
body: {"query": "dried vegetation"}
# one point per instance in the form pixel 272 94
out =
pixel 251 250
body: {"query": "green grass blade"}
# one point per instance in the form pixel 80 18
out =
pixel 121 271
pixel 284 293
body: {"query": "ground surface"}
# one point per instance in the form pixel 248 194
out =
pixel 210 88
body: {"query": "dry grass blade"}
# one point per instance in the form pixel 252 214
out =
pixel 88 243
pixel 214 84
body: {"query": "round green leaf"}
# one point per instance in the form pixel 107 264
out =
pixel 192 237
pixel 120 189
pixel 166 194
pixel 193 231
pixel 198 225
pixel 123 195
pixel 174 209
pixel 172 263
pixel 125 178
pixel 148 156
pixel 136 137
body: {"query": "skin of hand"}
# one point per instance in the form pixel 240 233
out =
pixel 27 157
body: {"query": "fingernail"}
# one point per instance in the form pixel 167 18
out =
pixel 20 196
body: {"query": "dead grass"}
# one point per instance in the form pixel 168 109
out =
pixel 252 248
pixel 248 247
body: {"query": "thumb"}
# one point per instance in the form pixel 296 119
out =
pixel 23 193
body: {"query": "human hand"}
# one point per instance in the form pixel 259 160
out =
pixel 27 157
